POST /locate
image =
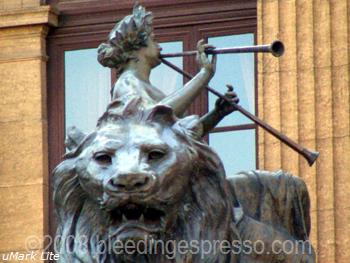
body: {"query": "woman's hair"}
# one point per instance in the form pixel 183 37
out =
pixel 129 34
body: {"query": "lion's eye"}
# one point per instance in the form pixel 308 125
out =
pixel 156 155
pixel 103 158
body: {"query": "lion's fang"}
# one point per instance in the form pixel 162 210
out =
pixel 142 218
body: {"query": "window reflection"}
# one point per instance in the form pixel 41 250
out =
pixel 87 87
pixel 87 84
pixel 165 78
pixel 236 150
pixel 235 69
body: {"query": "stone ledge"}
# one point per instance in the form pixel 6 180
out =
pixel 23 58
pixel 29 16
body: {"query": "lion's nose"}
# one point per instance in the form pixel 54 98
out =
pixel 131 181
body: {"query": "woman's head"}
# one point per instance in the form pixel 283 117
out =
pixel 132 33
pixel 151 52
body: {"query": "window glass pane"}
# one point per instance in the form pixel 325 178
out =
pixel 237 70
pixel 236 149
pixel 165 78
pixel 87 87
pixel 87 84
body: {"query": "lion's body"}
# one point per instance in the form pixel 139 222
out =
pixel 189 188
pixel 145 177
pixel 276 211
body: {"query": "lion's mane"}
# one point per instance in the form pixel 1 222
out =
pixel 210 215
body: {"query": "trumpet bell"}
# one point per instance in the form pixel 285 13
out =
pixel 277 48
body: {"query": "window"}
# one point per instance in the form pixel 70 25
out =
pixel 162 76
pixel 235 137
pixel 87 84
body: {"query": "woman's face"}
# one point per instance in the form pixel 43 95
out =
pixel 152 52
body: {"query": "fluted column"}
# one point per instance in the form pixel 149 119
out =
pixel 305 94
pixel 306 100
pixel 339 11
pixel 271 77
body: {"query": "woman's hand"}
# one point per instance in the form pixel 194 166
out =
pixel 202 58
pixel 223 107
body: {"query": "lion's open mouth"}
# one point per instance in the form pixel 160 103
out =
pixel 149 219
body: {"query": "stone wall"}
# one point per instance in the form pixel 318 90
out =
pixel 305 94
pixel 23 124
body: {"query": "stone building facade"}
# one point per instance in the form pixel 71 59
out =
pixel 305 94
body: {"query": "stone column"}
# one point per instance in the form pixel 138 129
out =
pixel 24 211
pixel 306 95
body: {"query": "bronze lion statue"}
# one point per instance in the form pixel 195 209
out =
pixel 147 178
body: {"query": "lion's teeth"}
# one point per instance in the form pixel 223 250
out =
pixel 124 219
pixel 142 218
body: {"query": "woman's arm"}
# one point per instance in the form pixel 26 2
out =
pixel 222 108
pixel 181 99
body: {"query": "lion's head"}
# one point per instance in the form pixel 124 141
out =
pixel 142 177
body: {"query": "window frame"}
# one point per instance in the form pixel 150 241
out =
pixel 227 29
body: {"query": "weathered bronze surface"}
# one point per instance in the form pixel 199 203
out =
pixel 145 176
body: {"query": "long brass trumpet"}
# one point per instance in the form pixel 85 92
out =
pixel 309 155
pixel 276 48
